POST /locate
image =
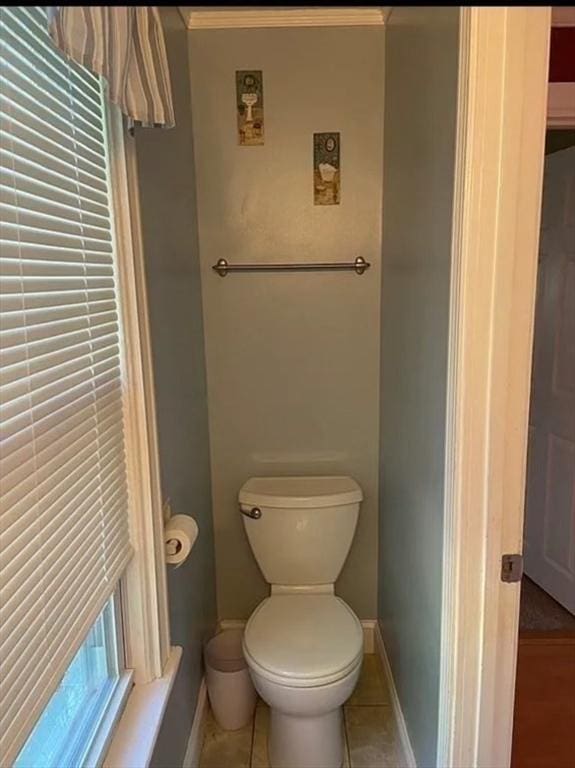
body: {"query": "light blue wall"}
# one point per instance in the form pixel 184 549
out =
pixel 169 219
pixel 419 150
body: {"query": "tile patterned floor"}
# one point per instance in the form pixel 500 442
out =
pixel 371 734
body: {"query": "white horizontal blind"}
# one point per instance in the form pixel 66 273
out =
pixel 64 538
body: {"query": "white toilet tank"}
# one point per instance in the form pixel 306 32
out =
pixel 300 529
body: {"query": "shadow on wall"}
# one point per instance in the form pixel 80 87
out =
pixel 169 223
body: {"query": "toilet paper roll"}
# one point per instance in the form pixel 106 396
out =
pixel 180 532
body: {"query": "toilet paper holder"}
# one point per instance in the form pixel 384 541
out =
pixel 173 546
pixel 180 533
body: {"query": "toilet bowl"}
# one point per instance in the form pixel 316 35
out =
pixel 303 645
pixel 304 653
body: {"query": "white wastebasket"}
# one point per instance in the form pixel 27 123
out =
pixel 230 688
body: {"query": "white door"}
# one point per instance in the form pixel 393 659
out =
pixel 549 545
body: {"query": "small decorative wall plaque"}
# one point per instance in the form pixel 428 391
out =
pixel 250 107
pixel 326 169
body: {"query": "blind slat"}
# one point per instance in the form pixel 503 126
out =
pixel 84 79
pixel 32 132
pixel 34 198
pixel 28 509
pixel 26 167
pixel 42 316
pixel 48 194
pixel 17 354
pixel 53 360
pixel 28 557
pixel 17 50
pixel 19 107
pixel 32 21
pixel 17 213
pixel 36 253
pixel 17 661
pixel 61 540
pixel 30 143
pixel 54 398
pixel 20 89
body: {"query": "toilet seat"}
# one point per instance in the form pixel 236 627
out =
pixel 303 641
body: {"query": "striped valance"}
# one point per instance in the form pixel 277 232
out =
pixel 125 45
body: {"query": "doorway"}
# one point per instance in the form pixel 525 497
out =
pixel 543 734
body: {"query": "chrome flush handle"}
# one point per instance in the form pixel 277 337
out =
pixel 255 513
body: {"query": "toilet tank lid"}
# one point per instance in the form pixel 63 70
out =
pixel 300 492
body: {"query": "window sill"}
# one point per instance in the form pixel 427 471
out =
pixel 136 733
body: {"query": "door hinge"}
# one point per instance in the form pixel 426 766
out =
pixel 511 568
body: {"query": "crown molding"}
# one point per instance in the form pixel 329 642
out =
pixel 283 17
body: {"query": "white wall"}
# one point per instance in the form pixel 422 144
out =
pixel 292 359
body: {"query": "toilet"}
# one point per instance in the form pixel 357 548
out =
pixel 303 645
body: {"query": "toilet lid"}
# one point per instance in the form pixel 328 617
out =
pixel 304 639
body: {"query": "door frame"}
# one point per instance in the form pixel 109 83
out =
pixel 502 105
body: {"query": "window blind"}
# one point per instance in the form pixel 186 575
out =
pixel 64 539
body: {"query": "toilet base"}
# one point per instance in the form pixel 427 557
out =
pixel 306 742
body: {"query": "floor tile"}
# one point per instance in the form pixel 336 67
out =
pixel 372 737
pixel 260 758
pixel 260 745
pixel 225 749
pixel 371 688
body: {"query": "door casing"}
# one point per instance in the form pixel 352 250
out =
pixel 502 108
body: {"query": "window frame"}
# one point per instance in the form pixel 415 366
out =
pixel 88 736
pixel 144 596
pixel 130 732
pixel 96 748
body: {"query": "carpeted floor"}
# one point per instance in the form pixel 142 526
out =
pixel 540 612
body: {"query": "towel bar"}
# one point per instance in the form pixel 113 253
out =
pixel 358 266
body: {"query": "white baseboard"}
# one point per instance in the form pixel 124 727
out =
pixel 231 624
pixel 395 703
pixel 192 756
pixel 368 626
